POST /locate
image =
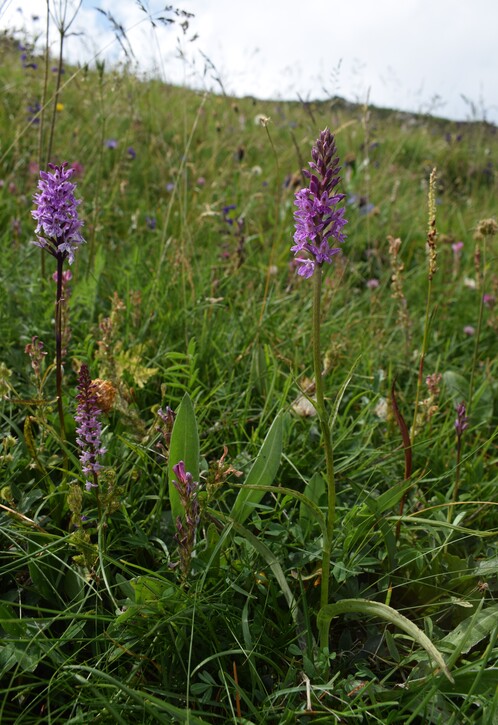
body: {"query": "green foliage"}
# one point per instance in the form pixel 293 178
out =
pixel 177 302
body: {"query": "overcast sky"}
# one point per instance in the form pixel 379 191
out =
pixel 418 55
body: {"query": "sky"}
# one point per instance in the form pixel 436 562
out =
pixel 434 56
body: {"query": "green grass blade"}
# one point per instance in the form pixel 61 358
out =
pixel 157 707
pixel 263 471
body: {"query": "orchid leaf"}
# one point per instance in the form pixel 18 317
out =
pixel 262 473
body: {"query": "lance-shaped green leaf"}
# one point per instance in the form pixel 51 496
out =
pixel 377 609
pixel 184 446
pixel 262 473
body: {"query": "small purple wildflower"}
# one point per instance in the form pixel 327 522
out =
pixel 489 300
pixel 361 203
pixel 366 209
pixel 150 222
pixel 170 186
pixel 67 276
pixel 25 58
pixel 33 112
pixel 111 143
pixel 469 330
pixel 89 429
pixel 131 152
pixel 226 213
pixel 462 421
pixel 318 218
pixel 58 226
pixel 457 248
pixel 372 283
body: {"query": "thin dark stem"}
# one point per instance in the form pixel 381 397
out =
pixel 58 346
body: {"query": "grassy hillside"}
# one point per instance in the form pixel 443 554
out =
pixel 133 601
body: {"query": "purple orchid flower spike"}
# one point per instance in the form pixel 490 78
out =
pixel 318 219
pixel 58 226
pixel 89 429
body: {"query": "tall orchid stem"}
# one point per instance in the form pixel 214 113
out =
pixel 327 443
pixel 58 346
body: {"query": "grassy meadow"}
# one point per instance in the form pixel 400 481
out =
pixel 120 604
